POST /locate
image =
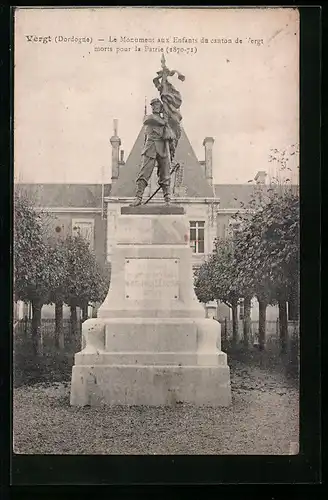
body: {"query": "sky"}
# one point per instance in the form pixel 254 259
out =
pixel 66 94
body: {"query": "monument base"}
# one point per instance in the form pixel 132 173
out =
pixel 151 343
pixel 151 361
pixel 150 385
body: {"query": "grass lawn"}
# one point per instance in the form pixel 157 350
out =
pixel 263 418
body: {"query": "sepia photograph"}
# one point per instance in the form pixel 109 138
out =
pixel 156 255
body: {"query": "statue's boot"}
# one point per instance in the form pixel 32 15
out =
pixel 167 200
pixel 141 186
pixel 166 193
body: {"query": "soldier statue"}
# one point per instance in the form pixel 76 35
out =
pixel 162 130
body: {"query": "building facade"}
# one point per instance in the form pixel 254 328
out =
pixel 92 210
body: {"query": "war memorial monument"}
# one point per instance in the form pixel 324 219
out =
pixel 151 343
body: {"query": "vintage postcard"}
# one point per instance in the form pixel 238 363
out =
pixel 156 227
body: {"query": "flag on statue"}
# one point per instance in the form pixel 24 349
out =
pixel 171 99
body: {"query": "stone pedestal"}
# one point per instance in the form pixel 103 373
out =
pixel 151 344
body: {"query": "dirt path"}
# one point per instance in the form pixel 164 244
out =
pixel 263 419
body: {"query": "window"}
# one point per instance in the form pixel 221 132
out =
pixel 197 236
pixel 84 228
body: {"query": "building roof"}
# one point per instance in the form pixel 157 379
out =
pixel 194 180
pixel 89 195
pixel 233 195
pixel 66 195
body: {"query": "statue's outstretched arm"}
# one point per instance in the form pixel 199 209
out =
pixel 156 82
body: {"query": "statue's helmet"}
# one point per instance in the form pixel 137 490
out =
pixel 156 101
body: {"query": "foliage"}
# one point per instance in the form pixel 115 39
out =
pixel 261 258
pixel 217 277
pixel 267 243
pixel 86 281
pixel 267 235
pixel 45 269
pixel 203 280
pixel 35 271
pixel 58 253
pixel 282 158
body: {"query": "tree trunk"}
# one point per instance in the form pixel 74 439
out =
pixel 37 340
pixel 59 330
pixel 247 320
pixel 224 333
pixel 234 324
pixel 283 325
pixel 293 307
pixel 25 327
pixel 85 312
pixel 262 323
pixel 73 321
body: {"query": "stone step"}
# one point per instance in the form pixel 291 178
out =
pixel 155 335
pixel 150 358
pixel 150 385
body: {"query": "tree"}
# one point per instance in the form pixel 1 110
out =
pixel 99 279
pixel 247 319
pixel 35 271
pixel 267 248
pixel 56 295
pixel 86 280
pixel 288 291
pixel 252 275
pixel 216 279
pixel 281 237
